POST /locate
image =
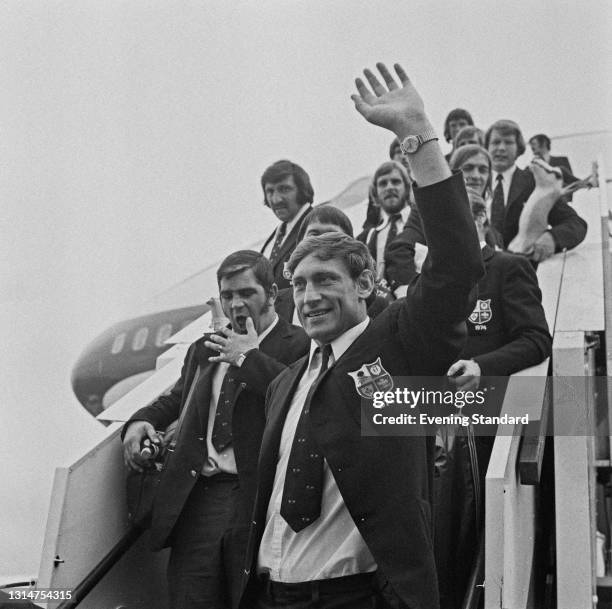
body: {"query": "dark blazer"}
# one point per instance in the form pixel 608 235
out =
pixel 507 332
pixel 567 227
pixel 562 162
pixel 386 483
pixel 284 345
pixel 285 251
pixel 516 334
pixel 401 270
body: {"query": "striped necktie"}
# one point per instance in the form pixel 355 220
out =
pixel 278 242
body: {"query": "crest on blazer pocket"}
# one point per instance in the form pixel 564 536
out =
pixel 370 378
pixel 482 312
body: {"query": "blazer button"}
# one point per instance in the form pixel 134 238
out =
pixel 193 473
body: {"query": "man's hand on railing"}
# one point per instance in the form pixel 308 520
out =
pixel 464 374
pixel 137 433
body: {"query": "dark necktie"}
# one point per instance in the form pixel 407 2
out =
pixel 301 502
pixel 222 427
pixel 498 210
pixel 277 242
pixel 393 220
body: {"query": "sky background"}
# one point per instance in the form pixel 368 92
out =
pixel 134 135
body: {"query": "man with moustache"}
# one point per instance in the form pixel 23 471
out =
pixel 341 520
pixel 390 189
pixel 289 194
pixel 207 490
pixel 511 189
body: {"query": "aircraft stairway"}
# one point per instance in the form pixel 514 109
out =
pixel 541 509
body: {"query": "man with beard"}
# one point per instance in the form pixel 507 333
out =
pixel 207 491
pixel 390 189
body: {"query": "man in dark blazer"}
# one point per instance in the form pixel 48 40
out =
pixel 540 146
pixel 511 189
pixel 289 194
pixel 390 188
pixel 507 332
pixel 207 490
pixel 360 532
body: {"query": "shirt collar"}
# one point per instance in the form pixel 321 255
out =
pixel 507 175
pixel 343 342
pixel 267 330
pixel 296 218
pixel 405 212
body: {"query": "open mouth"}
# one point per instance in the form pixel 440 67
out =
pixel 240 322
pixel 316 314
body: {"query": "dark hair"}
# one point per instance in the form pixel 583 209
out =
pixel 395 144
pixel 507 127
pixel 541 139
pixel 353 253
pixel 462 154
pixel 469 131
pixel 326 214
pixel 242 260
pixel 279 171
pixel 384 169
pixel 455 115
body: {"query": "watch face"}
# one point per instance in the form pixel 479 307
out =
pixel 410 144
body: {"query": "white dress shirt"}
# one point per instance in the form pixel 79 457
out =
pixel 381 240
pixel 331 546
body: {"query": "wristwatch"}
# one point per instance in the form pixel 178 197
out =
pixel 240 360
pixel 411 143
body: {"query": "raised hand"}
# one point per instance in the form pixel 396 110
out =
pixel 232 345
pixel 533 238
pixel 545 176
pixel 397 108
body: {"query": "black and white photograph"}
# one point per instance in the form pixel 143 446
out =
pixel 306 304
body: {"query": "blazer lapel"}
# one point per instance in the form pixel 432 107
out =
pixel 265 245
pixel 291 239
pixel 373 243
pixel 517 185
pixel 487 252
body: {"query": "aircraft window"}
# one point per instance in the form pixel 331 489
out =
pixel 118 343
pixel 140 339
pixel 163 333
